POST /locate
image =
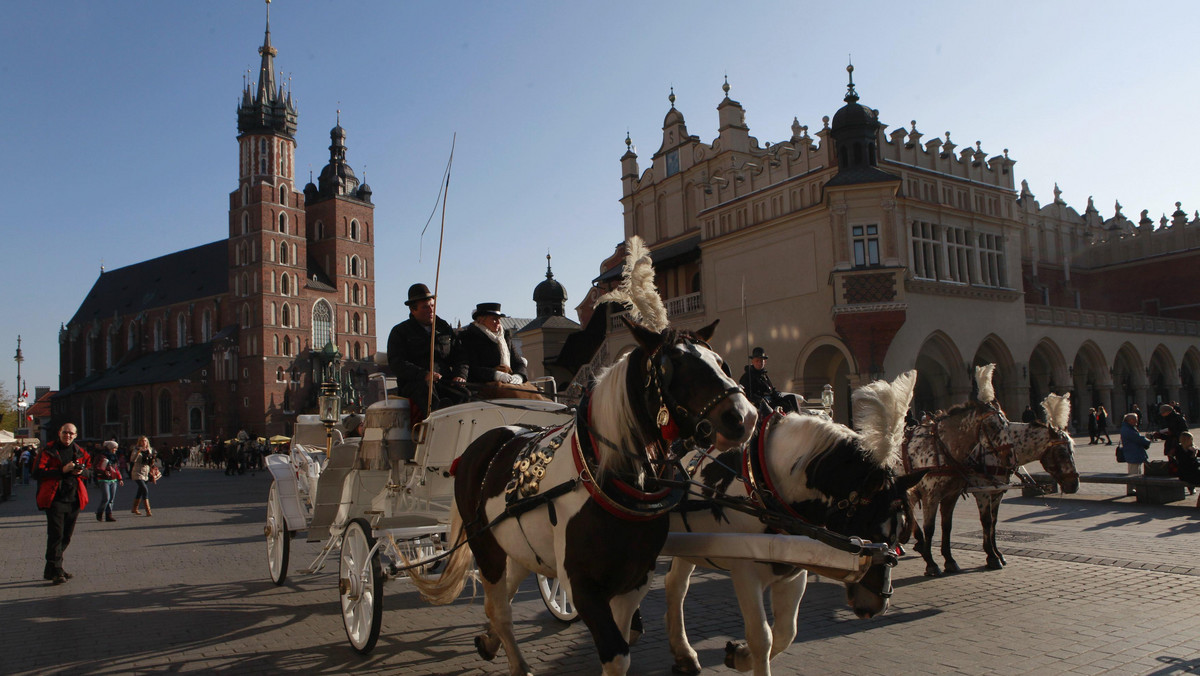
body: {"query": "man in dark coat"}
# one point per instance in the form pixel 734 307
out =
pixel 488 349
pixel 1174 426
pixel 408 356
pixel 757 384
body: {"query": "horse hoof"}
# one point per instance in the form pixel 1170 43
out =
pixel 995 564
pixel 481 648
pixel 733 651
pixel 688 667
pixel 1003 562
pixel 933 571
pixel 952 568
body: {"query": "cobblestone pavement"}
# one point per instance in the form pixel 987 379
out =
pixel 1095 584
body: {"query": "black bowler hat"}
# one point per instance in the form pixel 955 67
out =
pixel 487 309
pixel 417 293
pixel 758 353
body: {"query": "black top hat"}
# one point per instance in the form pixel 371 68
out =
pixel 758 353
pixel 487 309
pixel 417 293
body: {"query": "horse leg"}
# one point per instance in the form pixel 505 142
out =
pixel 676 582
pixel 786 595
pixel 498 606
pixel 925 540
pixel 947 510
pixel 756 653
pixel 609 637
pixel 989 512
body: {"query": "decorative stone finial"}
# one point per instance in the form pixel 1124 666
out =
pixel 671 98
pixel 825 120
pixel 725 87
pixel 628 141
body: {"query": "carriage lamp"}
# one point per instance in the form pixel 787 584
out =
pixel 331 412
pixel 827 398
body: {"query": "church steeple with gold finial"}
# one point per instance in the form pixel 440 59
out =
pixel 265 106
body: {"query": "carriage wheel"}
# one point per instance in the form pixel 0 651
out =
pixel 279 540
pixel 556 598
pixel 361 587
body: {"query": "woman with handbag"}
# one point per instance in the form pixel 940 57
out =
pixel 144 470
pixel 1132 446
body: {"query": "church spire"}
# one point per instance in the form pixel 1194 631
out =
pixel 269 110
pixel 266 71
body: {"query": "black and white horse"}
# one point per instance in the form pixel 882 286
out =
pixel 582 502
pixel 820 472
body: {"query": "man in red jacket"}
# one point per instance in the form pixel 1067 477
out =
pixel 61 493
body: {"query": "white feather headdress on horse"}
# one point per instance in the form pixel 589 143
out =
pixel 637 291
pixel 983 379
pixel 1058 409
pixel 879 409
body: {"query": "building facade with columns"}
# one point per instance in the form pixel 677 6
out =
pixel 853 253
pixel 238 333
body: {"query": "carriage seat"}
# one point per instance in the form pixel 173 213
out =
pixel 329 490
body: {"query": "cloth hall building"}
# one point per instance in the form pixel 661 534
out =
pixel 235 334
pixel 855 252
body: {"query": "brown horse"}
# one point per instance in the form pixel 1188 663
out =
pixel 582 502
pixel 973 446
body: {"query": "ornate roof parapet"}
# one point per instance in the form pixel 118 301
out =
pixel 1179 218
pixel 903 146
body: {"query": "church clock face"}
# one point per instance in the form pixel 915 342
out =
pixel 672 163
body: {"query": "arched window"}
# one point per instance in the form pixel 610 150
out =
pixel 245 198
pixel 287 315
pixel 358 351
pixel 283 195
pixel 206 326
pixel 354 230
pixel 354 294
pixel 158 335
pixel 322 324
pixel 87 418
pixel 279 377
pixel 112 410
pixel 137 414
pixel 131 337
pixel 284 284
pixel 294 258
pixel 245 316
pixel 283 223
pixel 195 419
pixel 356 323
pixel 245 284
pixel 181 330
pixel 320 230
pixel 276 345
pixel 283 253
pixel 354 266
pixel 287 346
pixel 164 412
pixel 245 222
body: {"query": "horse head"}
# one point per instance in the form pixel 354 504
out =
pixel 674 387
pixel 1058 454
pixel 844 480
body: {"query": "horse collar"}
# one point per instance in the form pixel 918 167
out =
pixel 618 497
pixel 759 485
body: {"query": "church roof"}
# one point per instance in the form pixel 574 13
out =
pixel 153 367
pixel 199 272
pixel 549 322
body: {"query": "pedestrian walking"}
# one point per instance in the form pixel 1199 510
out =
pixel 143 472
pixel 1093 427
pixel 58 469
pixel 109 477
pixel 1102 424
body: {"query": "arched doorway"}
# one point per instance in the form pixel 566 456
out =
pixel 941 378
pixel 827 365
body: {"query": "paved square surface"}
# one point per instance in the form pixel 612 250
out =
pixel 1095 584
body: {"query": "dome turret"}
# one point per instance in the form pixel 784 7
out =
pixel 549 295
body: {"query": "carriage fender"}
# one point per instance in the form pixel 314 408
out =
pixel 288 491
pixel 794 550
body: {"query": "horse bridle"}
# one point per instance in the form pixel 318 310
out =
pixel 693 427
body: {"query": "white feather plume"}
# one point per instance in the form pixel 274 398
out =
pixel 637 291
pixel 879 409
pixel 1058 409
pixel 983 378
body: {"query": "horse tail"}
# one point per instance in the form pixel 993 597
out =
pixel 445 588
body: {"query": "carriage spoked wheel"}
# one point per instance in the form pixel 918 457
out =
pixel 360 584
pixel 279 540
pixel 557 600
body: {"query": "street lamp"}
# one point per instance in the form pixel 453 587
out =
pixel 827 399
pixel 331 412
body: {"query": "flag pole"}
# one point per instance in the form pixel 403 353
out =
pixel 437 277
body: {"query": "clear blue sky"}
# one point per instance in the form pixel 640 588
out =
pixel 119 120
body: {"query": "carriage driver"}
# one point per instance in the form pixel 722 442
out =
pixel 408 356
pixel 488 349
pixel 757 384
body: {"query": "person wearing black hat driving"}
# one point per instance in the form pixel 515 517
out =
pixel 488 349
pixel 757 383
pixel 408 356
